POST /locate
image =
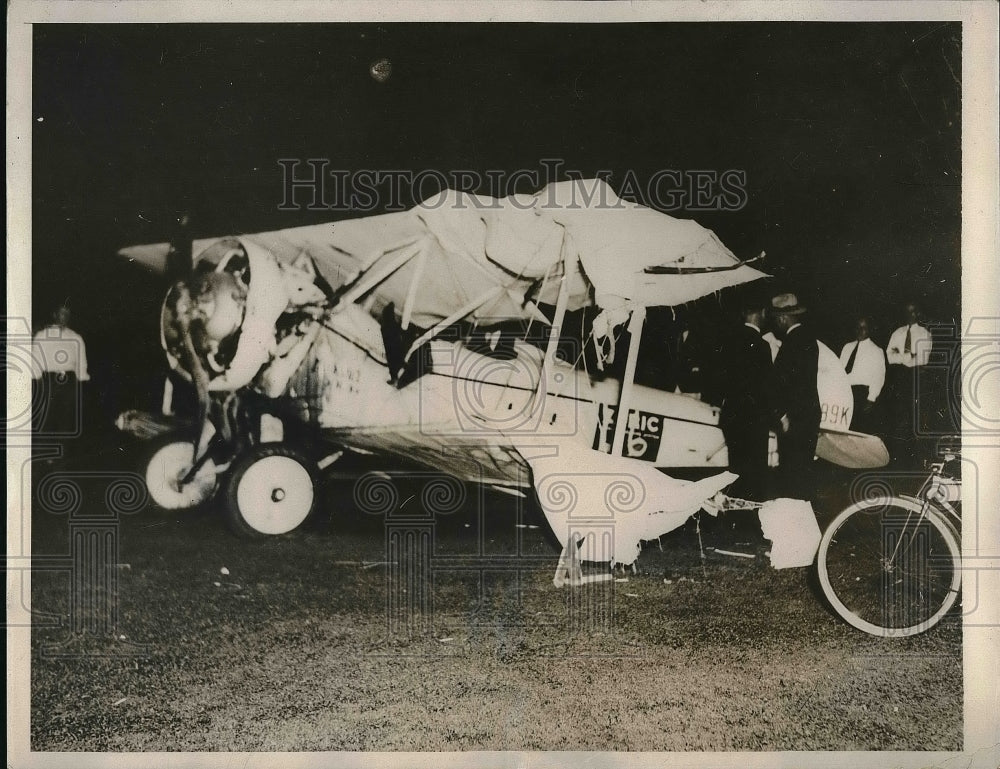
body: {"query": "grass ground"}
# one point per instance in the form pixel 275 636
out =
pixel 308 643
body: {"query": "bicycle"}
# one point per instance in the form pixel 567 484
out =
pixel 891 565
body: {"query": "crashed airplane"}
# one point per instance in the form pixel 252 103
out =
pixel 392 335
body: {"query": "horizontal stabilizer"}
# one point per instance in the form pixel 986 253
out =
pixel 853 450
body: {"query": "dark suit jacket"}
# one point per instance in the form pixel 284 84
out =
pixel 795 371
pixel 746 382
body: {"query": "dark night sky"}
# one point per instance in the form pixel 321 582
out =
pixel 849 135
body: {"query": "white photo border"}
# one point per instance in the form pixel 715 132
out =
pixel 981 276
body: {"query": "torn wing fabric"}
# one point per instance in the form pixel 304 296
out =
pixel 791 526
pixel 611 501
pixel 615 240
pixel 618 241
pixel 464 246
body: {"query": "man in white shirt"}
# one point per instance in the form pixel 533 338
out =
pixel 910 345
pixel 59 365
pixel 909 348
pixel 773 342
pixel 864 362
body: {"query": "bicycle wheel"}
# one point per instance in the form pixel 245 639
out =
pixel 887 571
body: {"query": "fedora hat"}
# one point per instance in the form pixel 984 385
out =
pixel 787 304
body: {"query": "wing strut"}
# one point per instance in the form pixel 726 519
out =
pixel 411 293
pixel 371 280
pixel 628 381
pixel 569 267
pixel 456 316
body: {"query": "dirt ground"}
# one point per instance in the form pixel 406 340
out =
pixel 313 642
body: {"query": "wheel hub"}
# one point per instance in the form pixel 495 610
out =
pixel 274 494
pixel 170 481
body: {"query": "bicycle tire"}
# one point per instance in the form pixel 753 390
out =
pixel 887 572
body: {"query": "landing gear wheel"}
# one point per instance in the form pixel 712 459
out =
pixel 168 464
pixel 270 491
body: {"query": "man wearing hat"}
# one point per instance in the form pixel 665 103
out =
pixel 795 405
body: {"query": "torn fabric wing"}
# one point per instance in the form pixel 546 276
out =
pixel 456 247
pixel 633 252
pixel 613 502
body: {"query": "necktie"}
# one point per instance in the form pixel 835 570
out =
pixel 854 355
pixel 908 344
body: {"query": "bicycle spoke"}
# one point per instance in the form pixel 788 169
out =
pixel 890 569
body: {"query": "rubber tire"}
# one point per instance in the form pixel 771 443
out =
pixel 270 491
pixel 948 534
pixel 170 457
